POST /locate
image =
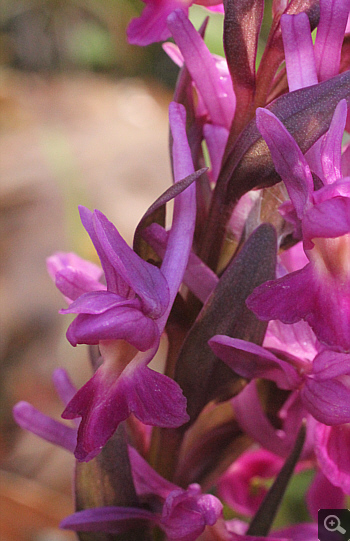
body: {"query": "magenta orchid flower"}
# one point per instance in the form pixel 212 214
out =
pixel 216 100
pixel 323 494
pixel 243 486
pixel 137 293
pixel 182 514
pixel 308 64
pixel 151 25
pixel 320 292
pixel 322 391
pixel 74 276
pixel 332 449
pixel 127 319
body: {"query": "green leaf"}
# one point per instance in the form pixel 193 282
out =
pixel 264 518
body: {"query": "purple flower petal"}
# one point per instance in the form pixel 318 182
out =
pixel 184 216
pixel 151 26
pixel 199 278
pixel 29 418
pixel 299 51
pixel 216 139
pixel 297 339
pixel 332 449
pixel 186 513
pixel 330 364
pixel 288 159
pixel 331 145
pixel 174 53
pixel 153 398
pixel 329 38
pixel 202 67
pixel 72 283
pixel 107 519
pixel 322 494
pixel 73 275
pixel 253 421
pixel 146 479
pixel 99 302
pixel 339 188
pixel 252 361
pixel 328 401
pixel 328 219
pixel 239 486
pixel 145 279
pixel 119 322
pixel 285 298
pixel 115 283
pixel 345 160
pixel 63 385
pixel 63 260
pixel 325 307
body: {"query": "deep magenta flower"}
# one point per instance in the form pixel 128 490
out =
pixel 332 449
pixel 215 97
pixel 319 293
pixel 151 25
pixel 243 486
pixel 181 514
pixel 127 318
pixel 137 293
pixel 323 392
pixel 74 276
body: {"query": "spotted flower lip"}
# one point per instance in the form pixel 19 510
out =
pixel 322 287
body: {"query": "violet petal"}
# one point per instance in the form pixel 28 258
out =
pixel 299 51
pixel 99 302
pixel 252 361
pixel 202 67
pixel 146 479
pixel 331 145
pixel 289 161
pixel 329 37
pixel 123 322
pixel 29 418
pixel 332 449
pixel 153 398
pixel 106 519
pixel 328 401
pixel 145 279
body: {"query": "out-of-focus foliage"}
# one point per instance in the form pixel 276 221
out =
pixel 60 35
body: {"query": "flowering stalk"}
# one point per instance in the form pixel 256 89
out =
pixel 250 285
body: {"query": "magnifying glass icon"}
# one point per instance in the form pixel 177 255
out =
pixel 332 524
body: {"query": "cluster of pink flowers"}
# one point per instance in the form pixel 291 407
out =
pixel 251 286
